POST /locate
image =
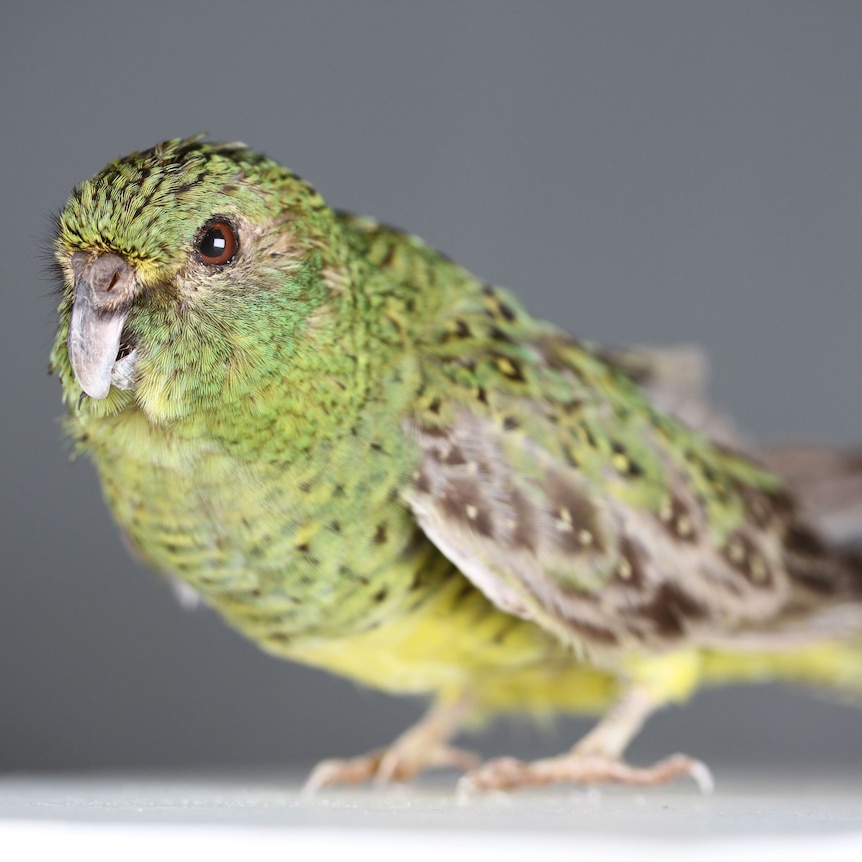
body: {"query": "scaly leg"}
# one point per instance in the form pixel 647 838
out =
pixel 421 747
pixel 596 758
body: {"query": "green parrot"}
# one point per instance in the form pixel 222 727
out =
pixel 366 459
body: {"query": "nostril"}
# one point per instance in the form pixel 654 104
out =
pixel 108 274
pixel 106 278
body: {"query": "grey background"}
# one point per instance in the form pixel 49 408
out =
pixel 656 172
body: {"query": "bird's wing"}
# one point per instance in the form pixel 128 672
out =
pixel 674 380
pixel 826 481
pixel 554 484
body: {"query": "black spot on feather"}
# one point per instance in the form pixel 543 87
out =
pixel 671 611
pixel 509 368
pixel 461 329
pixel 500 336
pixel 804 542
pixel 592 633
pixel 506 311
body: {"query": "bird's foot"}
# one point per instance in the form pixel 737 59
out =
pixel 423 746
pixel 508 773
pixel 399 763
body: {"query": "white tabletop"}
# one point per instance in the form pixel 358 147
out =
pixel 226 813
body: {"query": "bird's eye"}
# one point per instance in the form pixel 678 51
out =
pixel 217 244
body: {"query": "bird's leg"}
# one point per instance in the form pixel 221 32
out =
pixel 596 758
pixel 421 747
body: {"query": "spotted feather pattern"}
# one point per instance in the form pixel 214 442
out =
pixel 553 482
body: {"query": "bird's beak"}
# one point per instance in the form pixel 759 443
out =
pixel 105 288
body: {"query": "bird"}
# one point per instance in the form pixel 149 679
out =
pixel 368 460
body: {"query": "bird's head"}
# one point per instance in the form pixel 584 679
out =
pixel 188 269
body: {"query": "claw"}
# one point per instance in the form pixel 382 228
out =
pixel 356 770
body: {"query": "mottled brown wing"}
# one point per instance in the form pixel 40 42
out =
pixel 548 543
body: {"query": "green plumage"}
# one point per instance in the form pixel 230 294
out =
pixel 363 457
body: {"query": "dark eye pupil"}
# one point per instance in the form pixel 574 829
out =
pixel 217 244
pixel 214 243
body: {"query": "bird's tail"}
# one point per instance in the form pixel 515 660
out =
pixel 827 484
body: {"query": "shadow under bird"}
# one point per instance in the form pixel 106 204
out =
pixel 365 459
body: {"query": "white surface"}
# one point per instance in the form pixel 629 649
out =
pixel 64 840
pixel 223 815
